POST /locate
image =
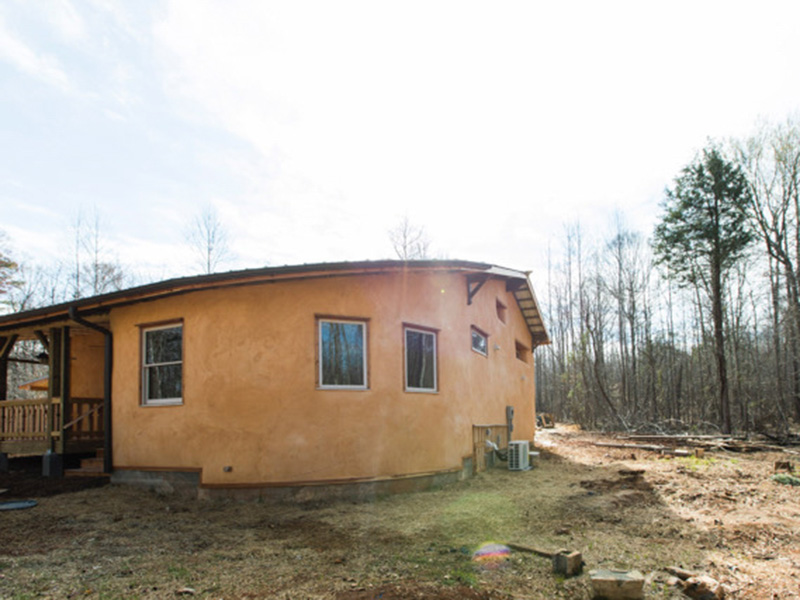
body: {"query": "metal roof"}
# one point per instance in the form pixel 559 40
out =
pixel 100 305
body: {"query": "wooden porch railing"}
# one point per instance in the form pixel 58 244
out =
pixel 35 426
pixel 84 420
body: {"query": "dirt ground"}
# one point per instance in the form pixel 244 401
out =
pixel 722 515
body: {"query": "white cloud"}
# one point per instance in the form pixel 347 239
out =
pixel 66 20
pixel 39 65
pixel 461 114
pixel 319 124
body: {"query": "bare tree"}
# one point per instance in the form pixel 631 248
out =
pixel 410 242
pixel 93 271
pixel 771 160
pixel 8 268
pixel 208 239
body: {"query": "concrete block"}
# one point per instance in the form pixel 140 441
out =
pixel 567 563
pixel 52 465
pixel 617 585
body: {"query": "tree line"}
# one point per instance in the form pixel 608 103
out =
pixel 693 326
pixel 87 267
pixel 696 326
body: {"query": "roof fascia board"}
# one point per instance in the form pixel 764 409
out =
pixel 102 304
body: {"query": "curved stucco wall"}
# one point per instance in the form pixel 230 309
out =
pixel 250 397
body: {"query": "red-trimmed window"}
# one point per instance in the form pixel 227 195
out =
pixel 342 354
pixel 420 346
pixel 162 364
pixel 480 341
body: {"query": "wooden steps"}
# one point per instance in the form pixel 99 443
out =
pixel 90 467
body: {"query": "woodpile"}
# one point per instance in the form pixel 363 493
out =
pixel 676 445
pixel 697 585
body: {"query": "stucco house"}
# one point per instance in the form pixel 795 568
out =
pixel 379 375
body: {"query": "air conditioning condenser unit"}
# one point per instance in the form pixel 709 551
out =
pixel 518 457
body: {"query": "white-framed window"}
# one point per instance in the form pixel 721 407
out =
pixel 420 350
pixel 342 354
pixel 162 364
pixel 480 341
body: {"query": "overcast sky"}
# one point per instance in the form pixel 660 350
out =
pixel 313 127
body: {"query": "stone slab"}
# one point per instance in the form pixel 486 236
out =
pixel 610 584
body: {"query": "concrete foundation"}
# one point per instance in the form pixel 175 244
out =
pixel 161 482
pixel 52 465
pixel 361 491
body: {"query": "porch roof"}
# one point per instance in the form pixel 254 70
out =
pixel 96 308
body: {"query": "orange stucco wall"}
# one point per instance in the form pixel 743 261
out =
pixel 87 349
pixel 250 395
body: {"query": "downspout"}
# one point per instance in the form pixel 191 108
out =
pixel 107 366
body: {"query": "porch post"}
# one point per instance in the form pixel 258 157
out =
pixel 66 364
pixel 60 363
pixel 6 345
pixel 3 374
pixel 54 379
pixel 52 462
pixel 3 394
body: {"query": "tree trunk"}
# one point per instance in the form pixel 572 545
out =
pixel 719 348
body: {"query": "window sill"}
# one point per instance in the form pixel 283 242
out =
pixel 343 388
pixel 152 404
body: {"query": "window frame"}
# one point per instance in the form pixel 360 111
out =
pixel 145 366
pixel 425 331
pixel 472 331
pixel 364 359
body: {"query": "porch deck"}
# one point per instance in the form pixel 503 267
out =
pixel 30 427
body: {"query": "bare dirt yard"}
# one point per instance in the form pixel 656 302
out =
pixel 721 515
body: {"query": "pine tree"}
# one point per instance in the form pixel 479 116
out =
pixel 703 233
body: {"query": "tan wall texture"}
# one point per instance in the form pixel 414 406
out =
pixel 250 394
pixel 87 349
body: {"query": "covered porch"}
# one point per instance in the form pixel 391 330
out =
pixel 65 410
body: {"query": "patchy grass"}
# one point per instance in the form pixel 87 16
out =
pixel 117 542
pixel 693 463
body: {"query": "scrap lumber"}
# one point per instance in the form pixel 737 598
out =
pixel 565 562
pixel 707 442
pixel 680 573
pixel 537 551
pixel 697 585
pixel 651 447
pixel 664 437
pixel 647 447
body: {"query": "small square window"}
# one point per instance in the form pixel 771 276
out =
pixel 162 365
pixel 502 311
pixel 480 341
pixel 522 351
